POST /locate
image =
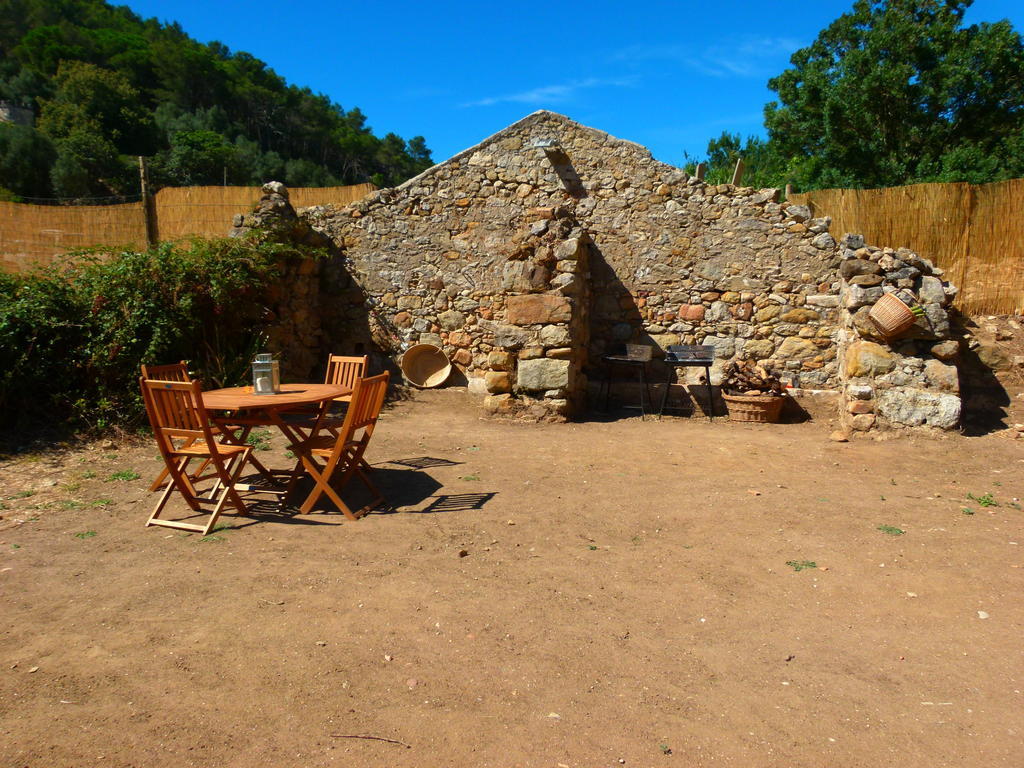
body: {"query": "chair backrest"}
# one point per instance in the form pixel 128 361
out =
pixel 175 410
pixel 172 372
pixel 364 410
pixel 345 370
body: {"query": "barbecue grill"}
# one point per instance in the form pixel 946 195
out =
pixel 689 356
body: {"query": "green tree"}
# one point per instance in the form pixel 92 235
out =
pixel 900 91
pixel 25 159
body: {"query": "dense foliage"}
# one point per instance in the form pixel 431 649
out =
pixel 893 92
pixel 106 85
pixel 72 340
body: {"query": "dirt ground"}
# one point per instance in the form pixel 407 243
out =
pixel 620 592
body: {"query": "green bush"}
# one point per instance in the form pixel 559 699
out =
pixel 72 337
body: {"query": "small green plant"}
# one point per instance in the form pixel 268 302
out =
pixel 665 749
pixel 22 495
pixel 70 504
pixel 88 474
pixel 15 546
pixel 592 547
pixel 891 530
pixel 985 500
pixel 800 565
pixel 470 477
pixel 289 454
pixel 967 510
pixel 123 475
pixel 259 439
pixel 72 487
pixel 212 537
pixel 85 535
pixel 101 502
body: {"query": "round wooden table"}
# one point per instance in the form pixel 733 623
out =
pixel 243 399
pixel 249 410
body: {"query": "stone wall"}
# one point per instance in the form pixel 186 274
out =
pixel 911 381
pixel 531 254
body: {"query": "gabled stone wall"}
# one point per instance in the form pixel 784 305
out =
pixel 528 256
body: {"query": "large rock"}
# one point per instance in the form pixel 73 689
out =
pixel 931 291
pixel 800 315
pixel 795 348
pixel 451 320
pixel 994 356
pixel 916 407
pixel 758 349
pixel 508 336
pixel 554 335
pixel 725 346
pixel 865 358
pixel 537 308
pixel 854 267
pixel 543 374
pixel 941 376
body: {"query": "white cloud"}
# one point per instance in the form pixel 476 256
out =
pixel 747 56
pixel 553 94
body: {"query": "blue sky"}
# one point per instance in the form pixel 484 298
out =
pixel 669 75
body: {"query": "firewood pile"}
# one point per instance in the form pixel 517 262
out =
pixel 747 378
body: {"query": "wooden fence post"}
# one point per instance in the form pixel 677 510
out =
pixel 701 170
pixel 737 174
pixel 789 192
pixel 148 208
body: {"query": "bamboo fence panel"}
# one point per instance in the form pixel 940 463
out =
pixel 994 282
pixel 207 211
pixel 39 234
pixel 974 233
pixel 36 235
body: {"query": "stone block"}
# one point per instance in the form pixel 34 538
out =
pixel 915 407
pixel 463 357
pixel 691 312
pixel 857 296
pixel 742 311
pixel 541 374
pixel 853 267
pixel 554 335
pixel 941 376
pixel 509 336
pixel 860 406
pixel 947 351
pixel 823 242
pixel 451 320
pixel 560 353
pixel 758 349
pixel 862 422
pixel 498 382
pixel 866 281
pixel 798 212
pixel 866 358
pixel 568 249
pixel 800 316
pixel 822 300
pixel 860 391
pixel 931 291
pixel 410 302
pixel 767 313
pixel 535 309
pixel 725 346
pixel 795 348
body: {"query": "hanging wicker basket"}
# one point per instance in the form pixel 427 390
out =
pixel 758 409
pixel 891 316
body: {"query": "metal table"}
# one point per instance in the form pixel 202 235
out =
pixel 688 356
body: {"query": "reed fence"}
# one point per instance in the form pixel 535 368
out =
pixel 973 232
pixel 36 235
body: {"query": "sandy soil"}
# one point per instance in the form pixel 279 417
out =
pixel 593 594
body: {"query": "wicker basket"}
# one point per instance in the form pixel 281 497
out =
pixel 760 409
pixel 891 315
pixel 426 366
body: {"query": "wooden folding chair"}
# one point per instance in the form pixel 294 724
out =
pixel 340 370
pixel 230 433
pixel 343 453
pixel 183 432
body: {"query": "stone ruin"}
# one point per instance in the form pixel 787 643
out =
pixel 531 254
